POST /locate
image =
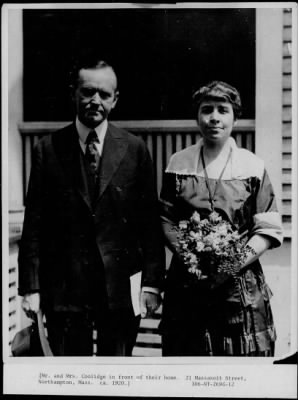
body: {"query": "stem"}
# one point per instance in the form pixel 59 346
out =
pixel 244 234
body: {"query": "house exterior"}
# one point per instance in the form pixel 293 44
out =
pixel 269 134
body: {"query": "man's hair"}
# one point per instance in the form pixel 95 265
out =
pixel 87 61
pixel 218 90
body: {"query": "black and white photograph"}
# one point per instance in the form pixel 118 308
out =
pixel 149 199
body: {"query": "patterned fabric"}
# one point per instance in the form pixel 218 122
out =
pixel 196 319
pixel 92 158
pixel 92 154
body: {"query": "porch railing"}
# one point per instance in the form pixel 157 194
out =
pixel 163 138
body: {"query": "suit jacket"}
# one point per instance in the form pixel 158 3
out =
pixel 77 255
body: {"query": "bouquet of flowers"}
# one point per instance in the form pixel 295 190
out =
pixel 211 248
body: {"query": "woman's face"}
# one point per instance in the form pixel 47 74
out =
pixel 215 120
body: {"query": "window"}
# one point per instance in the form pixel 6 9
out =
pixel 161 57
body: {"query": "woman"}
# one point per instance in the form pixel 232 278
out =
pixel 200 319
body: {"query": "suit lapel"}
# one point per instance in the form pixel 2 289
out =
pixel 71 158
pixel 114 149
pixel 82 181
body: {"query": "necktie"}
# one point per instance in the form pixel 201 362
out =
pixel 92 157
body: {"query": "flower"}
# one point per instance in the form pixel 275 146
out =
pixel 196 217
pixel 214 217
pixel 200 247
pixel 183 225
pixel 195 235
pixel 192 259
pixel 222 230
pixel 211 246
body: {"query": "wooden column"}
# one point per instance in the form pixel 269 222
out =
pixel 12 172
pixel 13 67
pixel 269 23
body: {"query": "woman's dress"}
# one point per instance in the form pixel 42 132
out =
pixel 200 320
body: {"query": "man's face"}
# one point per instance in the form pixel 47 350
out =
pixel 95 95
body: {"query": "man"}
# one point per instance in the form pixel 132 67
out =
pixel 91 224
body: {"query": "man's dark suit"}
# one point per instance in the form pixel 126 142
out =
pixel 81 257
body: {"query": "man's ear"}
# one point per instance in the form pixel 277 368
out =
pixel 116 97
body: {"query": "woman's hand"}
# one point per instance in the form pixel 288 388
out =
pixel 259 244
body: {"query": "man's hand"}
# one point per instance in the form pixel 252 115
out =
pixel 31 304
pixel 150 302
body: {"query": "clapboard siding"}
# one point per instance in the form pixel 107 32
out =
pixel 287 208
pixel 287 33
pixel 287 177
pixel 287 129
pixel 287 162
pixel 287 145
pixel 287 18
pixel 287 121
pixel 287 113
pixel 287 81
pixel 286 49
pixel 14 320
pixel 287 65
pixel 287 97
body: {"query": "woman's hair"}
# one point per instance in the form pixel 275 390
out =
pixel 219 90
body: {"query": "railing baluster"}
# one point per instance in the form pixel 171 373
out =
pixel 238 138
pixel 249 141
pixel 179 145
pixel 35 140
pixel 169 147
pixel 159 161
pixel 188 141
pixel 28 160
pixel 150 144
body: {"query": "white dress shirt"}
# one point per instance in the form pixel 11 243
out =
pixel 83 132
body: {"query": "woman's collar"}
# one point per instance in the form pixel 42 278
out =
pixel 244 163
pixel 186 161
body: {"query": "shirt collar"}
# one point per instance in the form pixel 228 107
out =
pixel 83 131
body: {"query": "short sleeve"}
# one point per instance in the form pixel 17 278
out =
pixel 267 220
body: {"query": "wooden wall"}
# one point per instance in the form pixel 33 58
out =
pixel 287 120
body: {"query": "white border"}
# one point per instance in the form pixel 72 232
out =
pixel 140 5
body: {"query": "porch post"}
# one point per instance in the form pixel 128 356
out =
pixel 14 63
pixel 269 24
